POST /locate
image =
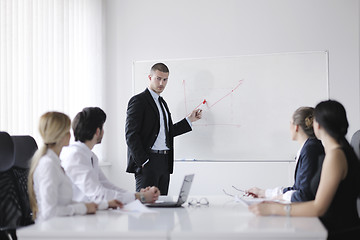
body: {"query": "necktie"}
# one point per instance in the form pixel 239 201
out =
pixel 161 100
pixel 92 161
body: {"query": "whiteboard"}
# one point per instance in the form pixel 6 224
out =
pixel 247 102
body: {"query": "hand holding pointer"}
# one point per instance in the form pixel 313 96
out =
pixel 195 115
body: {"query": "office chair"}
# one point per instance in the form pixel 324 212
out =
pixel 6 152
pixel 15 207
pixel 355 143
pixel 10 210
pixel 24 149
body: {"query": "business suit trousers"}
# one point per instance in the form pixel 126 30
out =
pixel 154 173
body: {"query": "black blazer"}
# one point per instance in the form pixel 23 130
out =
pixel 307 171
pixel 142 127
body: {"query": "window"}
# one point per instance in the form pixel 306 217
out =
pixel 51 58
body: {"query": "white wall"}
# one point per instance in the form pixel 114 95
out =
pixel 161 29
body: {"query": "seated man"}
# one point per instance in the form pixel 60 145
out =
pixel 82 165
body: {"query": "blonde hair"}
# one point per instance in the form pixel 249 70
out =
pixel 53 126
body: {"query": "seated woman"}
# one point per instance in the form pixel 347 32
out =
pixel 50 190
pixel 308 161
pixel 335 200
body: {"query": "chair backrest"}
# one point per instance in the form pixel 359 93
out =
pixel 6 152
pixel 25 147
pixel 14 205
pixel 355 143
pixel 10 210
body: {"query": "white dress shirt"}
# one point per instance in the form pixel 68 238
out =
pixel 53 189
pixel 89 182
pixel 160 142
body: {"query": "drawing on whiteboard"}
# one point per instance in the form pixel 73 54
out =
pixel 208 105
pixel 274 85
pixel 203 102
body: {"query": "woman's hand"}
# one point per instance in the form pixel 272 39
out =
pixel 91 208
pixel 256 192
pixel 114 204
pixel 278 197
pixel 266 208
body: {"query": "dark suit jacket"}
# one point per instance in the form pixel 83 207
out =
pixel 307 171
pixel 142 128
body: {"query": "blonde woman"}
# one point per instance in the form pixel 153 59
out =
pixel 50 190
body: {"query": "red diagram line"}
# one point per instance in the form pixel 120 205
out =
pixel 205 101
pixel 240 82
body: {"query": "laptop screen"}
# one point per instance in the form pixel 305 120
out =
pixel 185 188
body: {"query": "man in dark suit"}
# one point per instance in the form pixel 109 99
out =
pixel 150 133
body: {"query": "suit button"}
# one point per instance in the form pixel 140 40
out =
pixel 155 135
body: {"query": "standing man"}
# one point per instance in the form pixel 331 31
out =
pixel 150 133
pixel 82 165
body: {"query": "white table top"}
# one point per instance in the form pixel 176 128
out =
pixel 222 219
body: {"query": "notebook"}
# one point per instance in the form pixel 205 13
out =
pixel 183 195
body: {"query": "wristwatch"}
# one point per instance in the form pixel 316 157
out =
pixel 142 198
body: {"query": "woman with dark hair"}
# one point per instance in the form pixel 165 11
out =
pixel 335 200
pixel 308 161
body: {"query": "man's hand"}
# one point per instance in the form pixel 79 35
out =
pixel 151 194
pixel 195 115
pixel 145 189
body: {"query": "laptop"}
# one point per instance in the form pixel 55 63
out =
pixel 183 195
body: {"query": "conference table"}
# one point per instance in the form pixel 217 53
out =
pixel 223 218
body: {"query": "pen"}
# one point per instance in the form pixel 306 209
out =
pixel 145 163
pixel 197 114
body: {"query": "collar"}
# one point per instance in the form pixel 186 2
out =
pixel 84 148
pixel 301 147
pixel 154 94
pixel 53 156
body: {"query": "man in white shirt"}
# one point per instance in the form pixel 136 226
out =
pixel 82 165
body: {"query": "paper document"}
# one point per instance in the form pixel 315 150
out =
pixel 247 201
pixel 135 207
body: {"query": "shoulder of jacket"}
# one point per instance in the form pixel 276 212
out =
pixel 140 96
